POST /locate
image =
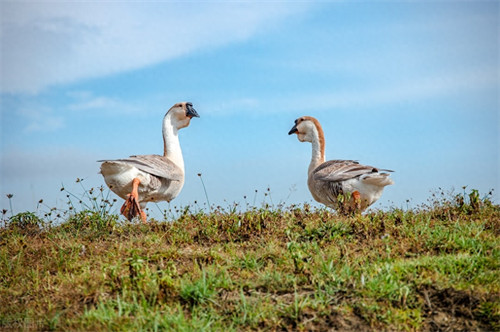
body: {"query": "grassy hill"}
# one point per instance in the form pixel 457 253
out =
pixel 295 268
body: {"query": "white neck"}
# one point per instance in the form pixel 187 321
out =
pixel 172 147
pixel 318 156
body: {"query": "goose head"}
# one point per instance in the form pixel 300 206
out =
pixel 181 114
pixel 307 129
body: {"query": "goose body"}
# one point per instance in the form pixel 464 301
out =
pixel 151 178
pixel 161 182
pixel 344 185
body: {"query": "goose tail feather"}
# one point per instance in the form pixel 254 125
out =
pixel 377 179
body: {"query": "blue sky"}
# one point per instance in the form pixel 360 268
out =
pixel 409 86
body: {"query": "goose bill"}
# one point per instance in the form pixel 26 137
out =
pixel 293 130
pixel 190 111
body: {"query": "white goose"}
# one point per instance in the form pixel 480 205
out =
pixel 343 185
pixel 151 178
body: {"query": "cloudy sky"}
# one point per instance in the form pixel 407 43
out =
pixel 409 86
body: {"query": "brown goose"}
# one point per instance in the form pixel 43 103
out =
pixel 344 185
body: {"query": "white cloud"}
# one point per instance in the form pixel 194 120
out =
pixel 231 106
pixel 49 162
pixel 415 89
pixel 46 124
pixel 87 101
pixel 40 119
pixel 37 174
pixel 365 96
pixel 95 103
pixel 47 43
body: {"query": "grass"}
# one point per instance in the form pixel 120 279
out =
pixel 436 267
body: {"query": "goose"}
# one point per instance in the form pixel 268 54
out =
pixel 151 178
pixel 344 185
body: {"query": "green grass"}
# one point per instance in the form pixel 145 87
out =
pixel 436 267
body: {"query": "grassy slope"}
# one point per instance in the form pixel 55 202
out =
pixel 294 269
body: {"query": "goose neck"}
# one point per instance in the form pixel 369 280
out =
pixel 318 149
pixel 171 146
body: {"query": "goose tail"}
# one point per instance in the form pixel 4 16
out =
pixel 377 179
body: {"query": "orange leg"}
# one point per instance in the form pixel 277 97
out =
pixel 356 196
pixel 143 217
pixel 131 207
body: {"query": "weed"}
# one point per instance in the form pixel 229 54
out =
pixel 27 221
pixel 434 267
pixel 205 191
pixel 90 220
pixel 198 292
pixel 9 196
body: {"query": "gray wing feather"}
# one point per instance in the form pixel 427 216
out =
pixel 153 164
pixel 341 170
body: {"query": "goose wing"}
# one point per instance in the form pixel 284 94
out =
pixel 153 164
pixel 341 170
